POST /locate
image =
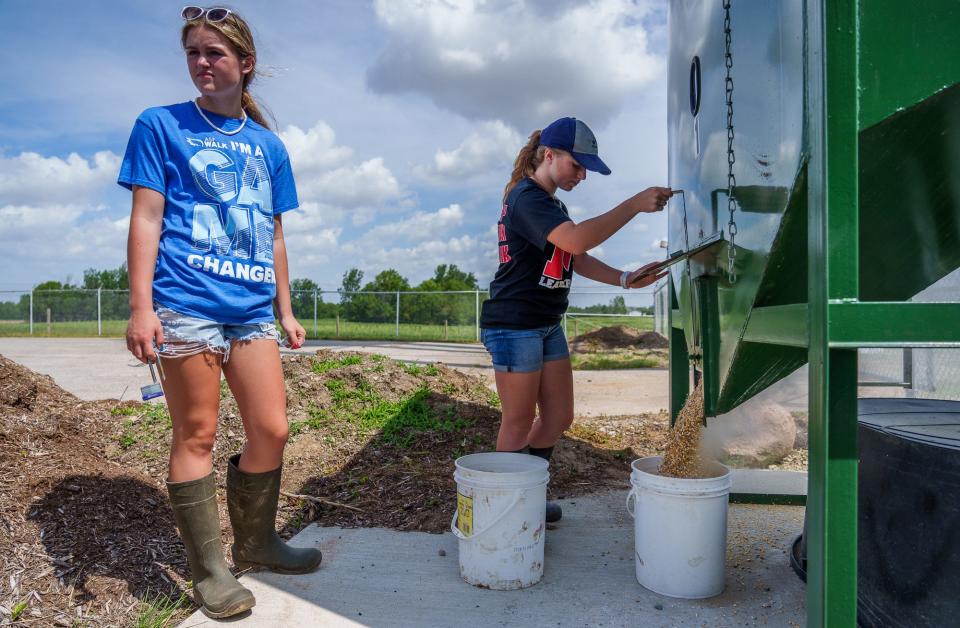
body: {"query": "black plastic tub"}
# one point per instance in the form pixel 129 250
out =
pixel 909 514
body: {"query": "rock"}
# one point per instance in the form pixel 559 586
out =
pixel 802 421
pixel 754 436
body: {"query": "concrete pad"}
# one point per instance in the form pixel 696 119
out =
pixel 377 577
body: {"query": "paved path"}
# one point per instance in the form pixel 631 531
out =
pixel 102 368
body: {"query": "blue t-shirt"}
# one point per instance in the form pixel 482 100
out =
pixel 222 192
pixel 532 282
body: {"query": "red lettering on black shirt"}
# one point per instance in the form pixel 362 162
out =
pixel 557 264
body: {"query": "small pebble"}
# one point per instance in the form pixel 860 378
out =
pixel 442 553
pixel 658 606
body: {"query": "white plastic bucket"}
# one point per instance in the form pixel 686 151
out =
pixel 680 530
pixel 501 499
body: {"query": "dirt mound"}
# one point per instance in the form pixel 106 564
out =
pixel 79 530
pixel 21 389
pixel 618 337
pixel 86 528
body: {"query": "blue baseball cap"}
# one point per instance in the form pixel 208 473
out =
pixel 576 138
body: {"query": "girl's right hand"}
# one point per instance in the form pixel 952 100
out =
pixel 652 200
pixel 143 330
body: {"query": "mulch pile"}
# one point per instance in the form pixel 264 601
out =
pixel 86 530
pixel 617 337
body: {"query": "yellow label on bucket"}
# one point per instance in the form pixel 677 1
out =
pixel 464 514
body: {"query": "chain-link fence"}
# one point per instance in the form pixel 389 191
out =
pixel 325 314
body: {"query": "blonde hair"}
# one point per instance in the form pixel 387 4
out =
pixel 237 33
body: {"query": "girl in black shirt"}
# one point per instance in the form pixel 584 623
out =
pixel 539 248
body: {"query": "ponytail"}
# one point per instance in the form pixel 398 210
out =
pixel 253 109
pixel 526 163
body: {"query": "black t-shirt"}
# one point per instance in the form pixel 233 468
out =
pixel 531 285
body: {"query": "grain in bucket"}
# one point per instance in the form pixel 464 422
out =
pixel 499 520
pixel 680 512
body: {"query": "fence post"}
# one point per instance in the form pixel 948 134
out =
pixel 314 312
pixel 49 323
pixel 398 313
pixel 338 324
pixel 99 317
pixel 476 294
pixel 31 311
pixel 446 330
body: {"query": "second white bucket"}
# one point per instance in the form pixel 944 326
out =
pixel 501 500
pixel 680 530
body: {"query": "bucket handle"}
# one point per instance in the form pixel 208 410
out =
pixel 629 507
pixel 460 535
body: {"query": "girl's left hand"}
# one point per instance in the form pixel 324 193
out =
pixel 645 275
pixel 294 332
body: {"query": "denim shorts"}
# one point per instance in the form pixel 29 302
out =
pixel 185 335
pixel 524 350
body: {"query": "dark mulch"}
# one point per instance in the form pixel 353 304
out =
pixel 86 529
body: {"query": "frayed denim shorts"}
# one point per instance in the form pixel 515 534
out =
pixel 524 350
pixel 187 335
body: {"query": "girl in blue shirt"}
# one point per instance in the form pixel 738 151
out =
pixel 207 266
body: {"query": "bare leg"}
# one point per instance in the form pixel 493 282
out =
pixel 192 388
pixel 555 398
pixel 256 379
pixel 518 400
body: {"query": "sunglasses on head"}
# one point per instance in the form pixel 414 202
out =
pixel 213 14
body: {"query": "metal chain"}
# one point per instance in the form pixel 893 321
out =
pixel 731 156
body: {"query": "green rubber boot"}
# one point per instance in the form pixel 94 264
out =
pixel 215 589
pixel 252 501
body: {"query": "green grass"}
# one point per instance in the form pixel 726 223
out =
pixel 317 418
pixel 148 423
pixel 401 422
pixel 329 364
pixel 17 610
pixel 612 361
pixel 418 370
pixel 159 611
pixel 398 422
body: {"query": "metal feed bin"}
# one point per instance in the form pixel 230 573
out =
pixel 817 145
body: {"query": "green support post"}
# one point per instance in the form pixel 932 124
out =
pixel 833 254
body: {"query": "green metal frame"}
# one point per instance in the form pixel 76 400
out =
pixel 867 63
pixel 838 323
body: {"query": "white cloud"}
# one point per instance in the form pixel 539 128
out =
pixel 492 148
pixel 367 184
pixel 521 61
pixel 31 178
pixel 314 150
pixel 418 227
pixel 326 178
pixel 61 240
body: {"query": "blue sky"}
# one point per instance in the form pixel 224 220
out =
pixel 402 118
